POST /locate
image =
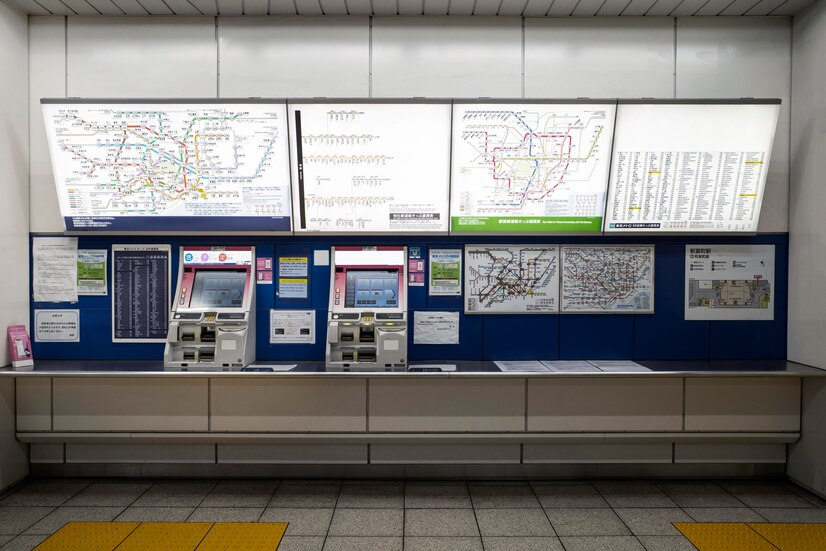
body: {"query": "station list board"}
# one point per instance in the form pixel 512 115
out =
pixel 140 292
pixel 690 167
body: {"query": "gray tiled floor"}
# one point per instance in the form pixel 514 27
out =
pixel 417 515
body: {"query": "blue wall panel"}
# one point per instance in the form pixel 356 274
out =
pixel 665 335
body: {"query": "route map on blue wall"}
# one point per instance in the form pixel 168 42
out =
pixel 169 166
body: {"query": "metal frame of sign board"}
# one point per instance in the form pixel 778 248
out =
pixel 687 101
pixel 651 246
pixel 178 101
pixel 466 265
pixel 143 247
pixel 372 101
pixel 543 101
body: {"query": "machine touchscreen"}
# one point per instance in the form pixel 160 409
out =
pixel 372 289
pixel 218 289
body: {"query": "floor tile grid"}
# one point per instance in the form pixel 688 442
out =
pixel 660 483
pixel 592 485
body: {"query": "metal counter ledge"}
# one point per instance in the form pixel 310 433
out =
pixel 132 368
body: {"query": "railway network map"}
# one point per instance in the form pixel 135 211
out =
pixel 535 168
pixel 374 167
pixel 170 166
pixel 609 278
pixel 510 279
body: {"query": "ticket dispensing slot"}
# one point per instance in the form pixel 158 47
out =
pixel 213 317
pixel 367 325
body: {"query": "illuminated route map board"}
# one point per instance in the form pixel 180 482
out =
pixel 511 279
pixel 690 167
pixel 170 166
pixel 530 167
pixel 607 279
pixel 370 167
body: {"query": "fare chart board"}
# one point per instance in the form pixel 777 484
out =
pixel 141 284
pixel 690 167
pixel 170 166
pixel 370 167
pixel 530 167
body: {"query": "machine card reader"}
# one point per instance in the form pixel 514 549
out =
pixel 367 325
pixel 212 324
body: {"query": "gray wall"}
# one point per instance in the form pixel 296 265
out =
pixel 807 237
pixel 408 57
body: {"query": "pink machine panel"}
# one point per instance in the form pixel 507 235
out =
pixel 369 286
pixel 215 279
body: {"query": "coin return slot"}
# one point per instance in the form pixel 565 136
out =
pixel 367 355
pixel 189 355
pixel 207 355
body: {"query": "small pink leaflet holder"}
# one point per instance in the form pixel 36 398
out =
pixel 20 346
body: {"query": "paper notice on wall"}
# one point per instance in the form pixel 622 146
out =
pixel 435 327
pixel 57 325
pixel 445 272
pixel 729 282
pixel 292 326
pixel 621 366
pixel 54 269
pixel 91 272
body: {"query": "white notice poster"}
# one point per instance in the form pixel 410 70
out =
pixel 292 326
pixel 57 325
pixel 54 277
pixel 435 327
pixel 521 366
pixel 729 282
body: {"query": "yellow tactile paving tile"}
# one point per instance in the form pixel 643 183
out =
pixel 240 536
pixel 723 536
pixel 793 537
pixel 169 536
pixel 88 536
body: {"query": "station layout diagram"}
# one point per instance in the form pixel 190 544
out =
pixel 721 293
pixel 504 279
pixel 610 278
pixel 115 161
pixel 530 167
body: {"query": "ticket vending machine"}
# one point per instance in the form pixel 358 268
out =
pixel 367 324
pixel 212 323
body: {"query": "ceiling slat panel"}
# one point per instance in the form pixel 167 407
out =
pixel 512 7
pixel 764 7
pixel 562 8
pixel 131 7
pixel 182 7
pixel 282 7
pixel 587 8
pixel 613 7
pixel 333 7
pixel 461 7
pixel 81 7
pixel 56 7
pixel 486 7
pixel 436 7
pixel 256 7
pixel 663 7
pixel 688 7
pixel 156 7
pixel 638 7
pixel 536 8
pixel 230 7
pixel 31 7
pixel 385 7
pixel 356 7
pixel 308 7
pixel 713 7
pixel 411 7
pixel 739 7
pixel 106 7
pixel 206 7
pixel 792 7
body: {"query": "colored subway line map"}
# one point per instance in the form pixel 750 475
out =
pixel 611 278
pixel 511 279
pixel 190 166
